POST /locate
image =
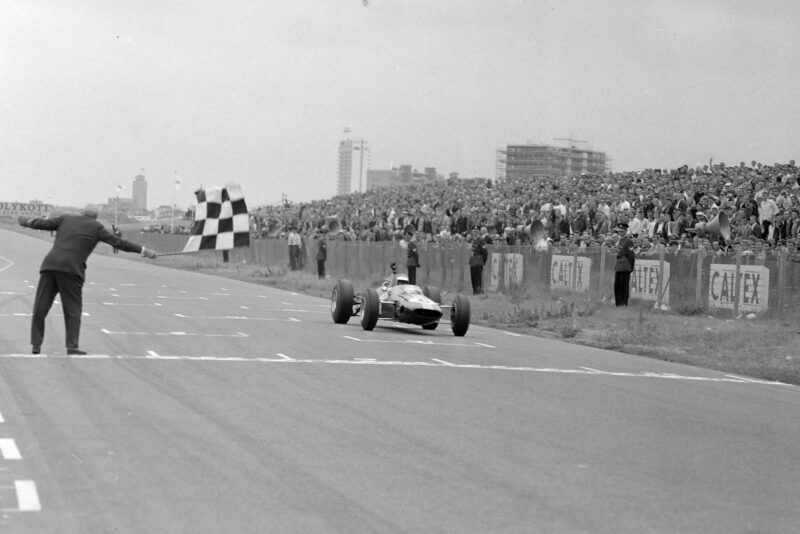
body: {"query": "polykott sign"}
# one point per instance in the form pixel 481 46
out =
pixel 30 209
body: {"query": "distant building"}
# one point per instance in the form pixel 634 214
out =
pixel 140 192
pixel 400 177
pixel 532 161
pixel 353 164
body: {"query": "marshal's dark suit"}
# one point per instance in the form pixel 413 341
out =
pixel 63 269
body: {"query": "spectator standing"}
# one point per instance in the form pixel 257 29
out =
pixel 412 260
pixel 294 249
pixel 117 233
pixel 322 256
pixel 635 227
pixel 479 257
pixel 626 258
pixel 767 211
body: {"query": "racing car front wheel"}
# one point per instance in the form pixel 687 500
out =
pixel 370 309
pixel 342 301
pixel 459 315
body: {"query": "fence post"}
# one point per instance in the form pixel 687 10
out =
pixel 573 281
pixel 736 283
pixel 660 278
pixel 701 252
pixel 601 291
pixel 781 280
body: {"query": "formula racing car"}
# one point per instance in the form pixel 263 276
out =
pixel 398 302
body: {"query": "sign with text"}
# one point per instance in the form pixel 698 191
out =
pixel 512 272
pixel 570 272
pixel 28 209
pixel 753 287
pixel 644 280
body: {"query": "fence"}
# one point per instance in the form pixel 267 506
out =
pixel 767 284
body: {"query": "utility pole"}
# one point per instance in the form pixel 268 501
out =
pixel 116 206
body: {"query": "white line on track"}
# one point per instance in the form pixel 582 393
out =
pixel 442 362
pixel 1 419
pixel 9 450
pixel 394 363
pixel 235 318
pixel 284 357
pixel 415 342
pixel 10 263
pixel 27 496
pixel 187 334
pixel 742 378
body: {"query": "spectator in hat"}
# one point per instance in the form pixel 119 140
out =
pixel 322 255
pixel 626 258
pixel 412 260
pixel 479 257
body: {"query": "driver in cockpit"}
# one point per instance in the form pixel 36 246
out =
pixel 394 280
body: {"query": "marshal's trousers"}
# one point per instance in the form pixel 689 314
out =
pixel 70 287
pixel 622 287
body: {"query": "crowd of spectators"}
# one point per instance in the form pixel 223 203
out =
pixel 656 207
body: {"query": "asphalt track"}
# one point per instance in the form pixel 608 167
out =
pixel 209 405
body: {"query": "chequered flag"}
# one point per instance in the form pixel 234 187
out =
pixel 221 221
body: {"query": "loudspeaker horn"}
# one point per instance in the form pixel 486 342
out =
pixel 334 226
pixel 718 226
pixel 535 231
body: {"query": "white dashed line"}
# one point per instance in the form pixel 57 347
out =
pixel 9 450
pixel 27 496
pixel 178 333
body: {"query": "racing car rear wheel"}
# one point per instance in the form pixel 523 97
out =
pixel 342 301
pixel 370 309
pixel 459 315
pixel 433 293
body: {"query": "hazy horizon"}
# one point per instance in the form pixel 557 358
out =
pixel 260 93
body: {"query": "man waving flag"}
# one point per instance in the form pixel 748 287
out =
pixel 221 221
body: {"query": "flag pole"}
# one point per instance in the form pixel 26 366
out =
pixel 189 251
pixel 176 253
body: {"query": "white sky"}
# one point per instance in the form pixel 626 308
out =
pixel 259 92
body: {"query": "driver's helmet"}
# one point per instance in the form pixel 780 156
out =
pixel 402 279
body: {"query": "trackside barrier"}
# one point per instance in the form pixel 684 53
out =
pixel 767 284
